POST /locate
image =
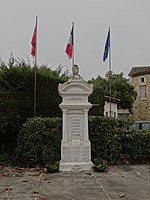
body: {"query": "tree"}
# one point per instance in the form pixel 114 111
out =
pixel 17 92
pixel 120 89
pixel 123 90
pixel 97 98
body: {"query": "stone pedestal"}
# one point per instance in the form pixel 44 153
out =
pixel 75 146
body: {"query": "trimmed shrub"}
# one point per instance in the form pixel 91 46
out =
pixel 139 146
pixel 39 141
pixel 104 133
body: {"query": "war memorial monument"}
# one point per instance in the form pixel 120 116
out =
pixel 75 144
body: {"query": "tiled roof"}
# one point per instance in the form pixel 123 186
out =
pixel 139 71
pixel 113 99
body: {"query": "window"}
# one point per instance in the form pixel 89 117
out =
pixel 143 91
pixel 115 114
pixel 106 114
pixel 142 80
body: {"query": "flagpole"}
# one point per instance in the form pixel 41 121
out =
pixel 110 75
pixel 35 68
pixel 73 45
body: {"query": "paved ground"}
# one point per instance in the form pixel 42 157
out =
pixel 119 182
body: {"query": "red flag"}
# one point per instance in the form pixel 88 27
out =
pixel 69 47
pixel 33 42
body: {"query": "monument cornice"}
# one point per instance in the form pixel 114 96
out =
pixel 75 87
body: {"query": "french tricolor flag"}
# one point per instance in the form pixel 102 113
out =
pixel 69 47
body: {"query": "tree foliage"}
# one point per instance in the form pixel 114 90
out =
pixel 120 89
pixel 17 95
pixel 97 98
pixel 123 90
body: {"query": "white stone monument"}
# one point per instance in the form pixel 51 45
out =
pixel 75 146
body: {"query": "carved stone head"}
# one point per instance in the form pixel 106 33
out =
pixel 75 70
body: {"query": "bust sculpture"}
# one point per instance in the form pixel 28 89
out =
pixel 75 74
pixel 75 71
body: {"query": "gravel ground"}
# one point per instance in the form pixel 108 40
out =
pixel 119 182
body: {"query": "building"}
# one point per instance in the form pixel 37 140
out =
pixel 140 80
pixel 111 104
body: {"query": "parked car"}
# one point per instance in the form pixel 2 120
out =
pixel 141 125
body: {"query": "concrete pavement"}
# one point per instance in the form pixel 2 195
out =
pixel 119 182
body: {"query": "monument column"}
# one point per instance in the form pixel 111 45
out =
pixel 75 145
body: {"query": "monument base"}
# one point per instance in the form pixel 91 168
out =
pixel 75 157
pixel 75 166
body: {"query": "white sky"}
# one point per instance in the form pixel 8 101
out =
pixel 130 32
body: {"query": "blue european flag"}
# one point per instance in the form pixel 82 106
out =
pixel 107 46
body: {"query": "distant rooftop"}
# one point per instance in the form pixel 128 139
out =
pixel 139 71
pixel 113 99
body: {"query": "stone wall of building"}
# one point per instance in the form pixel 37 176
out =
pixel 141 107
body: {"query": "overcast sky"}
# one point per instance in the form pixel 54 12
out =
pixel 130 32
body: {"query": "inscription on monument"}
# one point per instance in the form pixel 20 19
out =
pixel 76 98
pixel 76 153
pixel 75 126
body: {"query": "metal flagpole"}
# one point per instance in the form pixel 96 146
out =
pixel 73 44
pixel 35 67
pixel 110 75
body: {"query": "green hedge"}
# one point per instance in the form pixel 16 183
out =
pixel 39 141
pixel 105 136
pixel 139 146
